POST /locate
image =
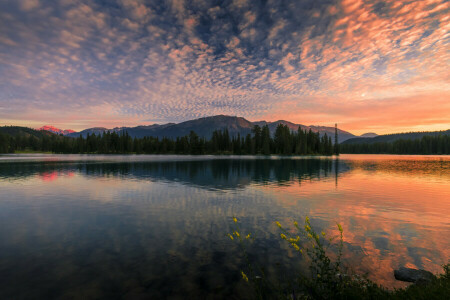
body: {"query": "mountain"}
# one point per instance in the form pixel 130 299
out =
pixel 342 135
pixel 369 135
pixel 56 130
pixel 389 138
pixel 204 127
pixel 91 131
pixel 273 125
pixel 23 131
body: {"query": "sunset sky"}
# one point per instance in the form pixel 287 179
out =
pixel 379 66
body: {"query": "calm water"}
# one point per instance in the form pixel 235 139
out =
pixel 78 226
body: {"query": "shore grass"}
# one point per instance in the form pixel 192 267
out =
pixel 327 279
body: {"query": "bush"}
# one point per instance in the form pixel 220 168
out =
pixel 327 280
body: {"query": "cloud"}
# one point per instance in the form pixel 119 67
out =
pixel 28 5
pixel 132 61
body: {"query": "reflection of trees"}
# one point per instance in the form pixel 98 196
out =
pixel 223 173
pixel 409 166
pixel 336 171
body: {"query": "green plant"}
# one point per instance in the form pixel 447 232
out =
pixel 305 241
pixel 326 280
pixel 254 275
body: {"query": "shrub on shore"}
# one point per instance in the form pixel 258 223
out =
pixel 327 279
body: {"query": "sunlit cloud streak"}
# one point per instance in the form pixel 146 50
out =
pixel 112 63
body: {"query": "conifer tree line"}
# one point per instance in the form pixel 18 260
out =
pixel 439 144
pixel 283 142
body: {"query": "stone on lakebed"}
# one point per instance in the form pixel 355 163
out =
pixel 413 275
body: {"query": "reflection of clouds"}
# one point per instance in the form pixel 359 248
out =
pixel 53 175
pixel 419 167
pixel 164 224
pixel 130 60
pixel 396 220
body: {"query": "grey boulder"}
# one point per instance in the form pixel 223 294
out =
pixel 413 275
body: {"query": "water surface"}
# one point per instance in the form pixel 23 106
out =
pixel 92 226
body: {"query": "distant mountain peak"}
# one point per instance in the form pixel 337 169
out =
pixel 369 134
pixel 220 117
pixel 56 130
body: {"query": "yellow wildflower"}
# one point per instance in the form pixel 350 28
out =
pixel 244 276
pixel 340 227
pixel 283 236
pixel 248 236
pixel 323 233
pixel 278 224
pixel 307 228
pixel 310 236
pixel 295 223
pixel 231 237
pixel 236 233
pixel 235 220
pixel 307 219
pixel 296 247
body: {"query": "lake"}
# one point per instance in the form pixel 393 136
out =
pixel 149 226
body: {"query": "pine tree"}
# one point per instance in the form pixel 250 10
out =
pixel 336 144
pixel 265 140
pixel 257 138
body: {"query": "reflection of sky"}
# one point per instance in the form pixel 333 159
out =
pixel 396 220
pixel 101 219
pixel 366 64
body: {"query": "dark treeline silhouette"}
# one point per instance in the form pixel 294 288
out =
pixel 284 142
pixel 439 144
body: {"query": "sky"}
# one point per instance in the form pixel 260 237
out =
pixel 370 66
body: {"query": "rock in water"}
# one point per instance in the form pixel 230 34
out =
pixel 413 275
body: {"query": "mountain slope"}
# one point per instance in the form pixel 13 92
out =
pixel 389 138
pixel 90 131
pixel 369 135
pixel 204 127
pixel 23 131
pixel 56 130
pixel 342 135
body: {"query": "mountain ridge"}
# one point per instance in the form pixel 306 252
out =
pixel 205 126
pixel 16 131
pixel 389 138
pixel 55 130
pixel 369 135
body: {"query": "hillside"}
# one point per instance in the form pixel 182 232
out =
pixel 369 135
pixel 90 131
pixel 389 138
pixel 23 131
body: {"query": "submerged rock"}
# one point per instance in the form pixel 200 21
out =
pixel 413 275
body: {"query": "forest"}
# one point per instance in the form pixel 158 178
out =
pixel 284 142
pixel 437 144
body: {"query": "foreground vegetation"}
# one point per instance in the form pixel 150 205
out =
pixel 327 279
pixel 284 142
pixel 438 144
